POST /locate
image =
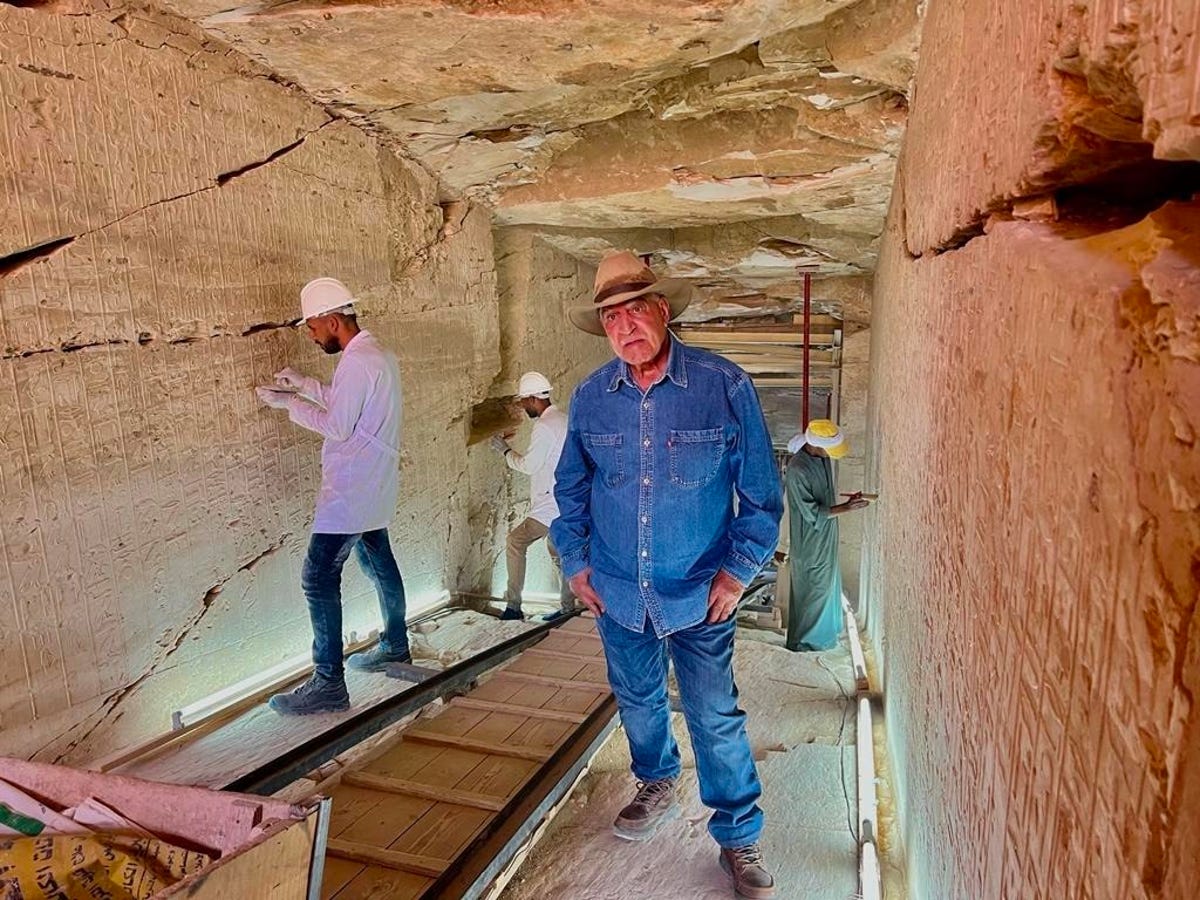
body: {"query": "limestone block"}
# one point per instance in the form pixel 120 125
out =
pixel 1033 428
pixel 155 513
pixel 538 285
pixel 640 153
pixel 748 268
pixel 79 161
pixel 852 473
pixel 1077 90
pixel 863 186
pixel 618 115
pixel 450 49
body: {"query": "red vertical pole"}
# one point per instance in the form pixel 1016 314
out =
pixel 807 340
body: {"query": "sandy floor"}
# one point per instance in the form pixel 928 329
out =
pixel 260 734
pixel 802 730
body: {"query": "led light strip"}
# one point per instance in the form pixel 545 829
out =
pixel 869 878
pixel 277 675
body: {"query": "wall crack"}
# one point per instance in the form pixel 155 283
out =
pixel 111 703
pixel 14 262
pixel 43 250
pixel 262 326
pixel 48 72
pixel 226 177
pixel 143 339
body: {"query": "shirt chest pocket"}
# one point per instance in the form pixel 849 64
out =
pixel 695 456
pixel 608 456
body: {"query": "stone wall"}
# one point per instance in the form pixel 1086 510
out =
pixel 537 285
pixel 851 474
pixel 162 202
pixel 1035 404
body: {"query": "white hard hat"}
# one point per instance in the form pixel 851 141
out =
pixel 533 384
pixel 323 295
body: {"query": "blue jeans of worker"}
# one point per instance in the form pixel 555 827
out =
pixel 703 657
pixel 321 579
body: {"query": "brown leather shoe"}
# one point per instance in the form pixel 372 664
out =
pixel 749 873
pixel 653 804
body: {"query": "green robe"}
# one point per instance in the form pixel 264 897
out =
pixel 815 604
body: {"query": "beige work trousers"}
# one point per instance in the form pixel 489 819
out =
pixel 529 532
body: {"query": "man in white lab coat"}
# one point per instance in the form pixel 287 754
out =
pixel 358 414
pixel 538 462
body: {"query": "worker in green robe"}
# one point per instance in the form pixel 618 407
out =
pixel 815 602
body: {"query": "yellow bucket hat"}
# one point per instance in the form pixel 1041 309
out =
pixel 825 434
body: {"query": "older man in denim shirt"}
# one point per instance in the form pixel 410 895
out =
pixel 660 441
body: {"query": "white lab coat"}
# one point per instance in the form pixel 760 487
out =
pixel 540 461
pixel 360 420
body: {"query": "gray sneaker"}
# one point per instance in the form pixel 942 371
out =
pixel 376 659
pixel 317 695
pixel 749 873
pixel 653 804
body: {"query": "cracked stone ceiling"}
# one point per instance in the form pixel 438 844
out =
pixel 733 140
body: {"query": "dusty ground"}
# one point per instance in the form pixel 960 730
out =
pixel 802 730
pixel 259 734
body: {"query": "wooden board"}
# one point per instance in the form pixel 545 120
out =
pixel 780 356
pixel 278 868
pixel 528 711
pixel 412 809
pixel 493 748
pixel 816 323
pixel 372 883
pixel 370 855
pixel 254 861
pixel 579 644
pixel 776 381
pixel 554 680
pixel 543 695
pixel 730 338
pixel 407 788
pixel 581 625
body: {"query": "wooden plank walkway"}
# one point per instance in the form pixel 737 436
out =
pixel 410 813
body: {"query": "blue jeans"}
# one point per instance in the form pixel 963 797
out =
pixel 322 583
pixel 703 656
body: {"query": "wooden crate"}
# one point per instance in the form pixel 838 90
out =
pixel 283 861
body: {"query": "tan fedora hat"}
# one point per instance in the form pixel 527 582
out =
pixel 621 277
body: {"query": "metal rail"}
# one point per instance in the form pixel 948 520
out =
pixel 307 756
pixel 469 875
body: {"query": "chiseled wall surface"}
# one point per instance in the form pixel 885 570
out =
pixel 155 514
pixel 537 285
pixel 851 473
pixel 1033 562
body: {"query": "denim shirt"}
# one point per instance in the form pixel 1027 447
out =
pixel 646 484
